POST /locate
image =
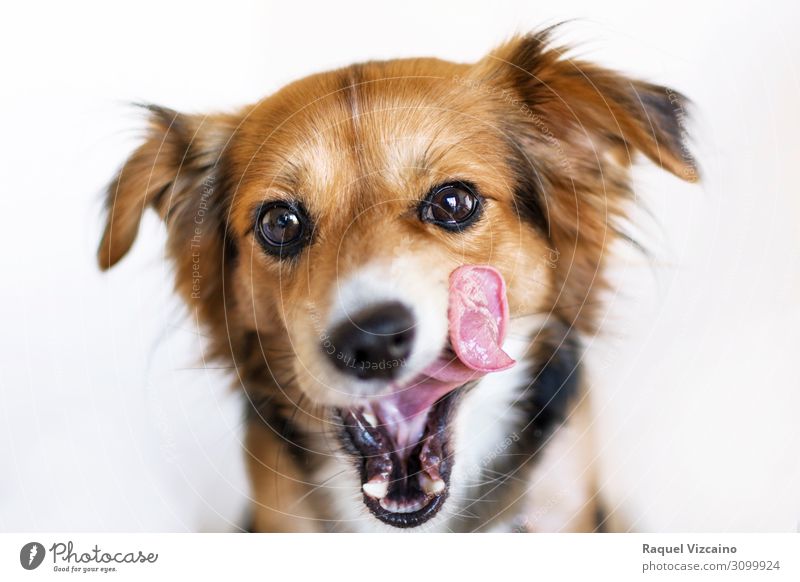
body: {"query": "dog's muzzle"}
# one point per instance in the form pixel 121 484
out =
pixel 401 434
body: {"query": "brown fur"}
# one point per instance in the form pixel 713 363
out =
pixel 547 140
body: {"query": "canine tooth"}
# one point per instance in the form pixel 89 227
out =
pixel 377 489
pixel 370 418
pixel 431 486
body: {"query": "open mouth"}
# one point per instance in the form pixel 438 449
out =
pixel 402 439
pixel 405 461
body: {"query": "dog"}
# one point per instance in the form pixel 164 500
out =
pixel 399 261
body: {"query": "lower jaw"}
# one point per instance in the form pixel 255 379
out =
pixel 409 519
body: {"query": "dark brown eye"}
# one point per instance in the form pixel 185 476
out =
pixel 452 206
pixel 282 228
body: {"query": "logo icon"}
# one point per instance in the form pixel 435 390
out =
pixel 31 555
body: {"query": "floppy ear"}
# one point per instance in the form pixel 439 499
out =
pixel 606 108
pixel 180 171
pixel 575 128
pixel 583 100
pixel 168 171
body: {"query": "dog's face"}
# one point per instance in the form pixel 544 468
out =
pixel 380 186
pixel 325 234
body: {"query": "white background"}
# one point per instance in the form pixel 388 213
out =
pixel 106 422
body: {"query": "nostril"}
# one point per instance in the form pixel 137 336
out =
pixel 400 345
pixel 361 356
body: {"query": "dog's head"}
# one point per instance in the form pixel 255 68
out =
pixel 361 239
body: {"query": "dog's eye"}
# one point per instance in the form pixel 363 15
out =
pixel 282 228
pixel 452 206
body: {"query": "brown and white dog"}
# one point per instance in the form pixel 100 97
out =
pixel 399 259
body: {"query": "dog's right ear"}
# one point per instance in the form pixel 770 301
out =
pixel 179 154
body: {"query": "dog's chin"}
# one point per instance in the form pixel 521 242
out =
pixel 401 443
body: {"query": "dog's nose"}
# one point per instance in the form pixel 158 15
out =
pixel 375 343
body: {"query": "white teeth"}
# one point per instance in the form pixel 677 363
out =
pixel 396 507
pixel 370 418
pixel 376 489
pixel 431 486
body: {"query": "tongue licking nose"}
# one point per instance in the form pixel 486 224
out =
pixel 478 314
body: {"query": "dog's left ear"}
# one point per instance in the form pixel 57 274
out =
pixel 576 101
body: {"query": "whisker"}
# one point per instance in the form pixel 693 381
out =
pixel 463 513
pixel 314 489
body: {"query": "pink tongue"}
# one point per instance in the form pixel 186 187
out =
pixel 478 316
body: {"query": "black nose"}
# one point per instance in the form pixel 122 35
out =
pixel 374 343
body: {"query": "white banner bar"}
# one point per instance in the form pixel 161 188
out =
pixel 353 557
